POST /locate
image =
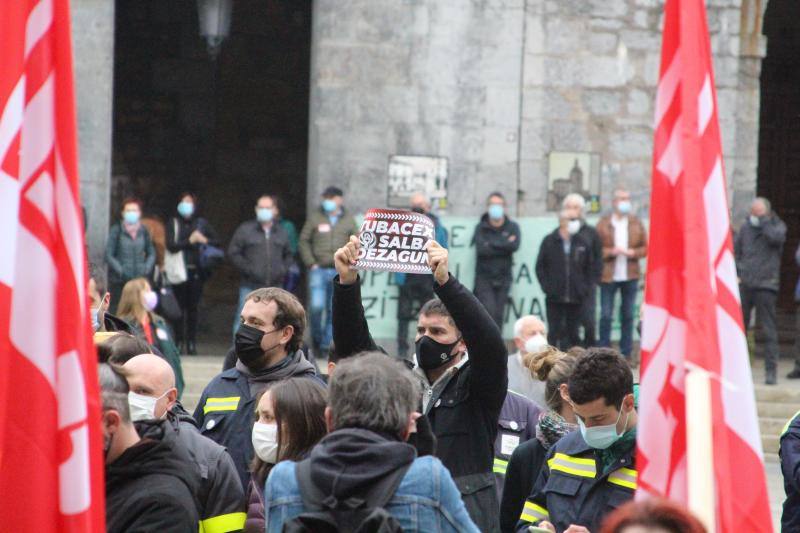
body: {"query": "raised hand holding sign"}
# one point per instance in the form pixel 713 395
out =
pixel 393 240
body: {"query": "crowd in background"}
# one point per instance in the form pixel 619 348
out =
pixel 454 435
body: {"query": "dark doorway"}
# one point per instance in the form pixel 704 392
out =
pixel 228 129
pixel 779 139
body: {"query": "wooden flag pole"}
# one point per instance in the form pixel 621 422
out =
pixel 700 448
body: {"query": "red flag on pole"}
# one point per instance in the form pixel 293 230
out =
pixel 692 312
pixel 51 457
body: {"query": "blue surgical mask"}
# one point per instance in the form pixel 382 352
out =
pixel 186 209
pixel 624 207
pixel 95 313
pixel 131 217
pixel 601 437
pixel 496 211
pixel 328 205
pixel 264 214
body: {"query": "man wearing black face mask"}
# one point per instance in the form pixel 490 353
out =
pixel 267 347
pixel 462 366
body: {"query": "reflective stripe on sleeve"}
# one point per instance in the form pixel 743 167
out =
pixel 577 466
pixel 624 477
pixel 221 404
pixel 223 523
pixel 533 513
pixel 500 466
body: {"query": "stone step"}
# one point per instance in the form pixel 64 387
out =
pixel 784 411
pixel 771 426
pixel 770 444
pixel 778 394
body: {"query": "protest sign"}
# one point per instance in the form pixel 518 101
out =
pixel 393 240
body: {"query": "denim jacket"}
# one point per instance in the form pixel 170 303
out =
pixel 426 500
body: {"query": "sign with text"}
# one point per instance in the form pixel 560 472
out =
pixel 393 240
pixel 379 289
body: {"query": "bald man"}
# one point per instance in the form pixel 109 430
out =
pixel 153 395
pixel 530 336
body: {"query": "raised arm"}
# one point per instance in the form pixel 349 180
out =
pixel 350 329
pixel 485 345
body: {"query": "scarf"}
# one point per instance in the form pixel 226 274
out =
pixel 551 428
pixel 294 364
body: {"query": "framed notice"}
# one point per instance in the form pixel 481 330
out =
pixel 573 172
pixel 416 173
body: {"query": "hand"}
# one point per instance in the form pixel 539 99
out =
pixel 196 237
pixel 512 238
pixel 617 251
pixel 437 260
pixel 344 259
pixel 547 525
pixel 630 252
pixel 575 529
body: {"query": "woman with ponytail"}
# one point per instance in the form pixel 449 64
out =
pixel 554 368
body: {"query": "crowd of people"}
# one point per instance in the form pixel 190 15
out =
pixel 457 435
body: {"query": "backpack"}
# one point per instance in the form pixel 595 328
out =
pixel 327 515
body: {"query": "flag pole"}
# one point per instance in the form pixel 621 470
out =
pixel 700 447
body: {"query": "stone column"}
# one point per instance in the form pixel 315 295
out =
pixel 93 52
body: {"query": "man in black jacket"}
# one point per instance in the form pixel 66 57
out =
pixel 462 366
pixel 150 481
pixel 260 251
pixel 575 204
pixel 564 270
pixel 496 238
pixel 153 396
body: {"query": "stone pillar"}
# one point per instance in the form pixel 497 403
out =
pixel 93 52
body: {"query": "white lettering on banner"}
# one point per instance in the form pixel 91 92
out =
pixel 379 289
pixel 394 241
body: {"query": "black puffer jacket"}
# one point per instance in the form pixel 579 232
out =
pixel 151 486
pixel 758 253
pixel 565 278
pixel 495 248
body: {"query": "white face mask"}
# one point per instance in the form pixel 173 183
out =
pixel 535 343
pixel 265 442
pixel 573 226
pixel 143 407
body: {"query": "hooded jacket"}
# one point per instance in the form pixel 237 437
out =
pixel 495 247
pixel 226 410
pixel 152 485
pixel 220 496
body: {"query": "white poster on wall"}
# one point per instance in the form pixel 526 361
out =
pixel 415 173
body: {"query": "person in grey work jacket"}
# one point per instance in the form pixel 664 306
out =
pixel 462 366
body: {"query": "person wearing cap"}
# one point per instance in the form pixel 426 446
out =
pixel 326 230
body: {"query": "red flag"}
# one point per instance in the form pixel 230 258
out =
pixel 692 311
pixel 51 447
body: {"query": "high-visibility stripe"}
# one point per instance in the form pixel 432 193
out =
pixel 624 477
pixel 223 523
pixel 532 512
pixel 500 466
pixel 221 404
pixel 577 466
pixel 789 423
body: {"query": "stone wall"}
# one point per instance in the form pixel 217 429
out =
pixel 497 85
pixel 93 50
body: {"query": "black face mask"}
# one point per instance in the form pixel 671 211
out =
pixel 432 354
pixel 247 344
pixel 418 210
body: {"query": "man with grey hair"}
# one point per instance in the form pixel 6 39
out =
pixel 574 205
pixel 150 482
pixel 758 246
pixel 363 473
pixel 530 336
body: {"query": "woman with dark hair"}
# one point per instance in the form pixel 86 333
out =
pixel 291 421
pixel 130 253
pixel 652 516
pixel 188 234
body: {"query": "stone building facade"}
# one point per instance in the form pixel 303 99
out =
pixel 497 85
pixel 494 86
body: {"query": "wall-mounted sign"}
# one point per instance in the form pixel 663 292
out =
pixel 573 172
pixel 414 173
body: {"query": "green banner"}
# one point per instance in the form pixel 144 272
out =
pixel 379 293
